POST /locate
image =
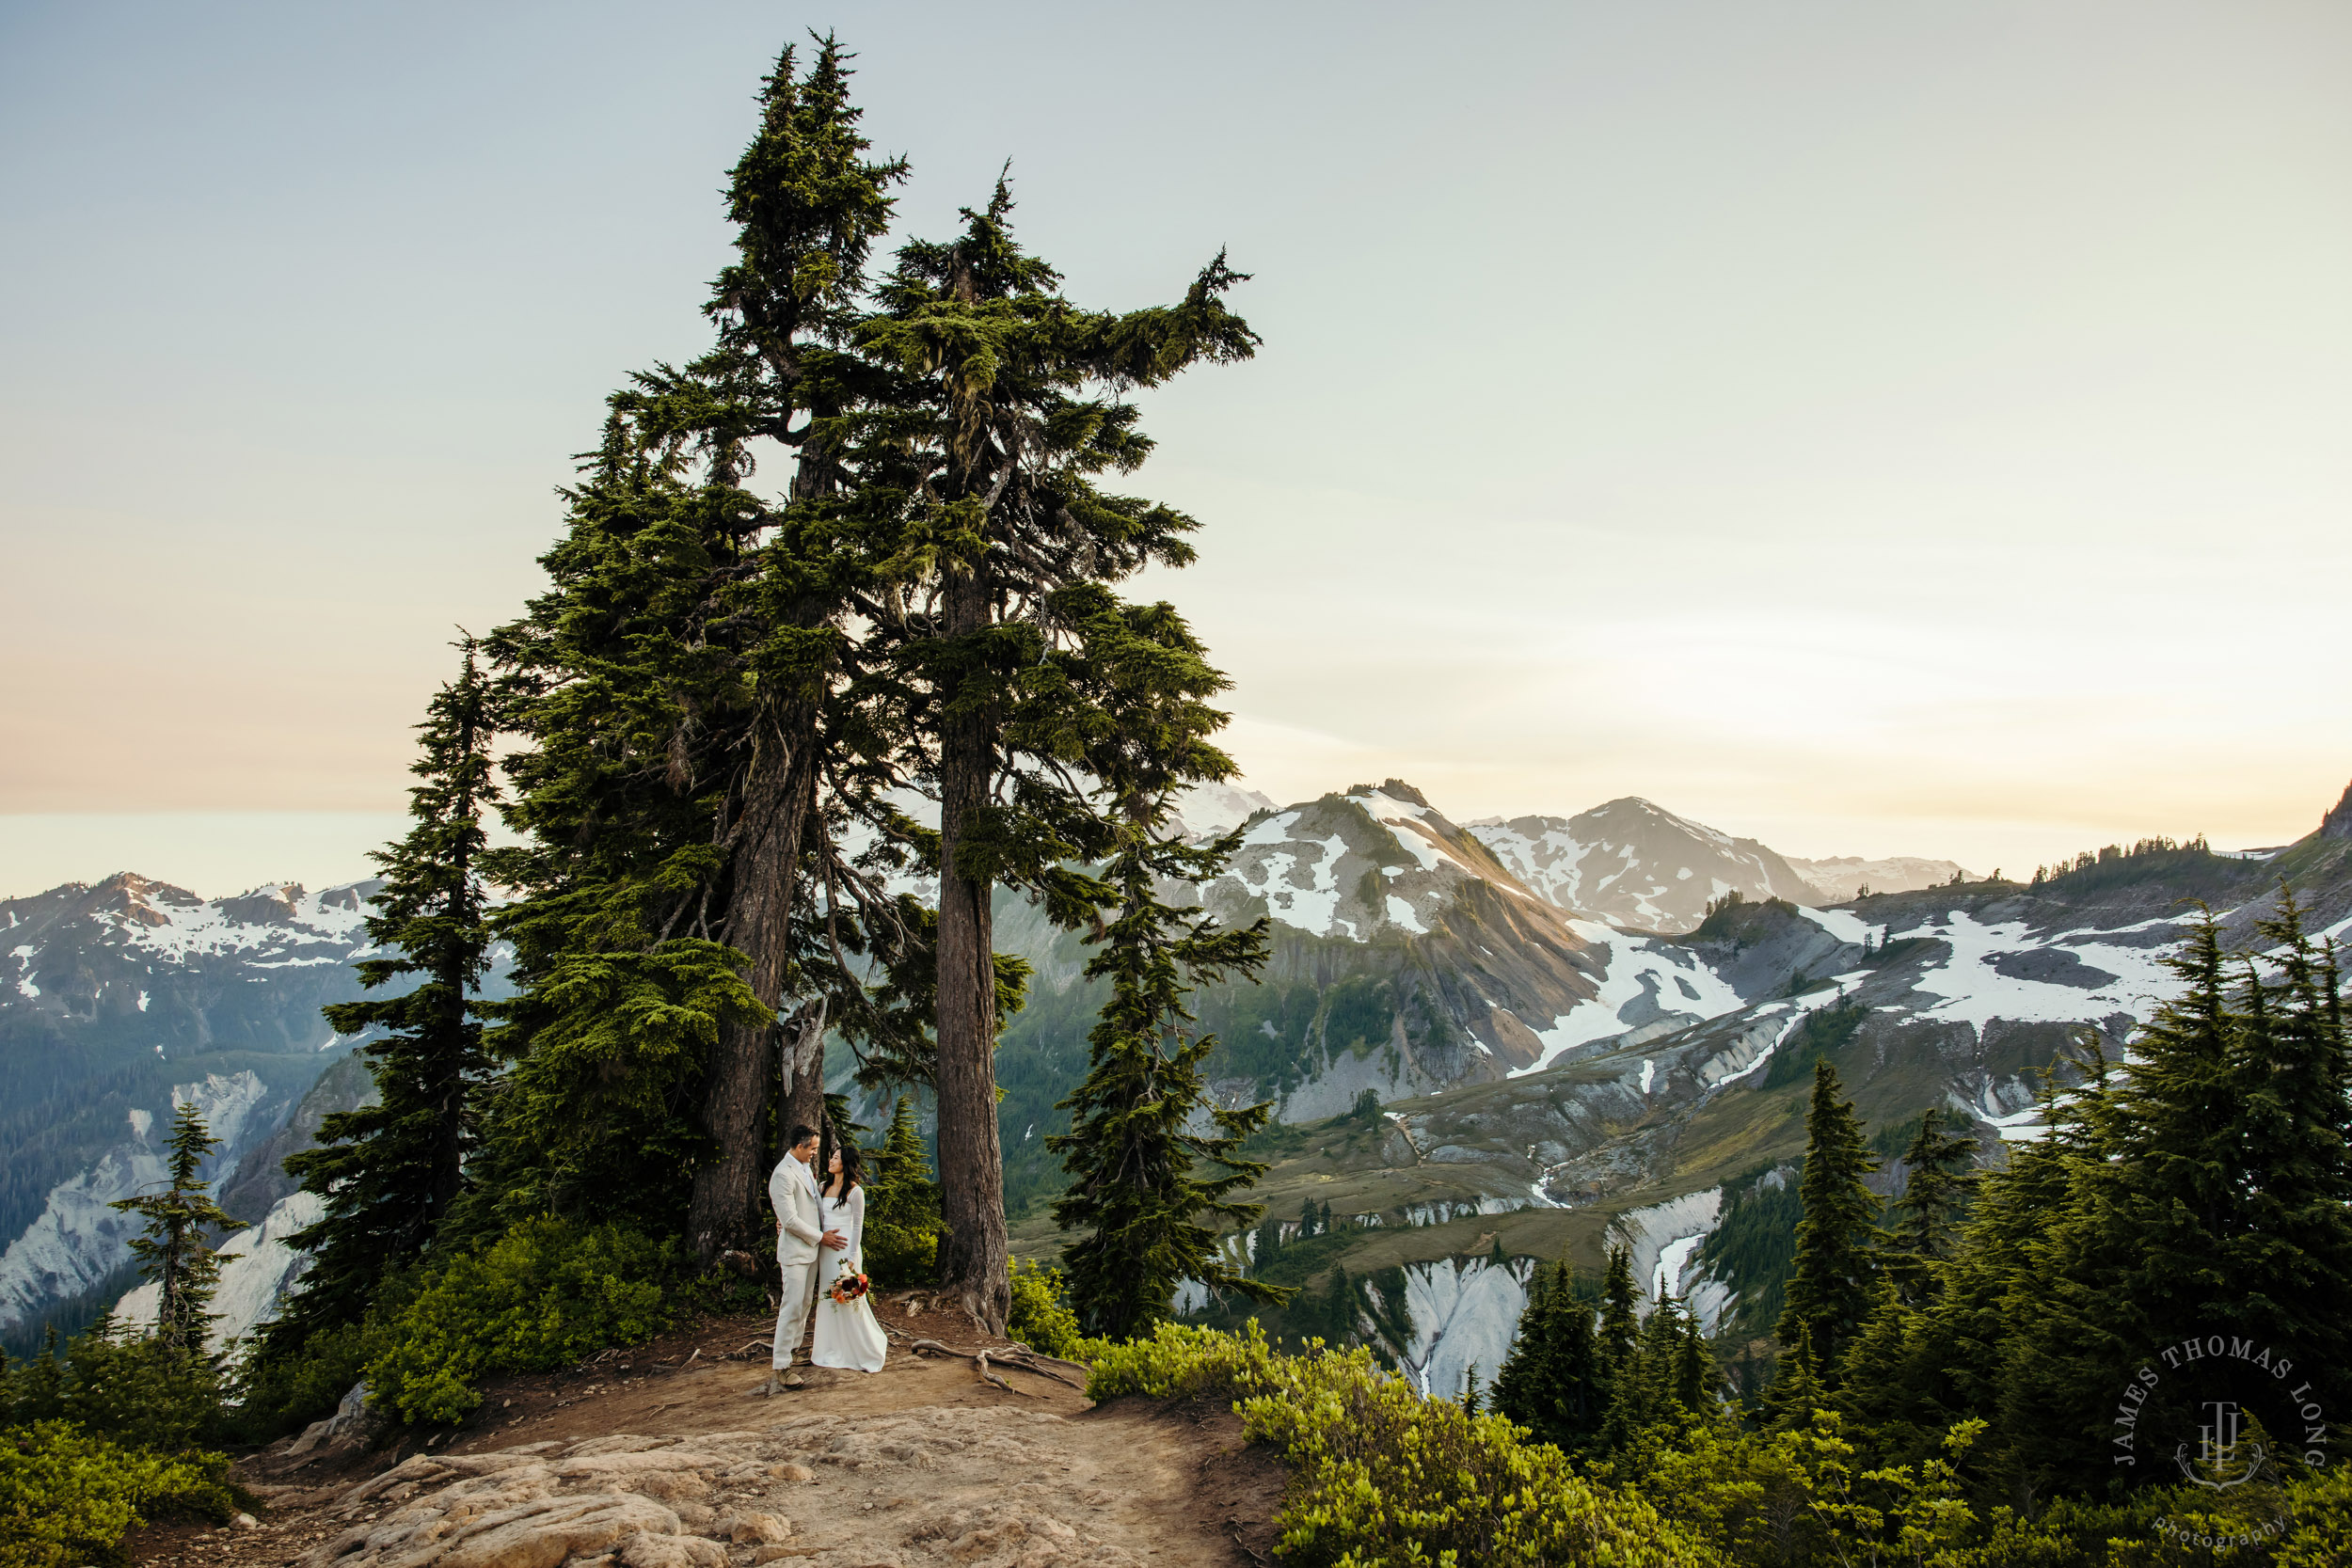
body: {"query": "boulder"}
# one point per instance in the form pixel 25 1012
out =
pixel 673 1551
pixel 752 1527
pixel 540 1532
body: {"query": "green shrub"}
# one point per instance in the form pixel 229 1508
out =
pixel 1040 1317
pixel 543 1296
pixel 897 1257
pixel 1180 1362
pixel 278 1394
pixel 1384 1476
pixel 1381 1476
pixel 118 1384
pixel 68 1498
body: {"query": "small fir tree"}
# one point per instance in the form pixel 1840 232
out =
pixel 388 1175
pixel 1551 1382
pixel 901 1204
pixel 1692 1378
pixel 1835 1277
pixel 1620 1322
pixel 172 1251
pixel 1927 1216
pixel 1144 1120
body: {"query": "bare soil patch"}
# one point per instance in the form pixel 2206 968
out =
pixel 661 1455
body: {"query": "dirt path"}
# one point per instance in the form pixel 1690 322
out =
pixel 662 1457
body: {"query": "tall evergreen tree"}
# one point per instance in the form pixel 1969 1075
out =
pixel 1940 1180
pixel 1011 404
pixel 172 1251
pixel 2288 1269
pixel 623 978
pixel 1835 1277
pixel 1136 1128
pixel 389 1175
pixel 680 671
pixel 2170 1168
pixel 807 204
pixel 1620 1331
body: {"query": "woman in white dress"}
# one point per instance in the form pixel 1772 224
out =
pixel 848 1335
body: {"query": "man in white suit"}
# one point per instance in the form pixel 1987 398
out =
pixel 801 1242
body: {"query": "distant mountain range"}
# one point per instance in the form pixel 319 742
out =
pixel 120 1000
pixel 1443 967
pixel 1845 877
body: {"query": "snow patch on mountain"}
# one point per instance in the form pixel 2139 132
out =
pixel 1209 809
pixel 1630 862
pixel 1845 926
pixel 1652 1233
pixel 1645 982
pixel 169 921
pixel 79 1239
pixel 1332 868
pixel 1465 1313
pixel 2004 971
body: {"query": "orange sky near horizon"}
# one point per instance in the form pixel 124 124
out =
pixel 1871 429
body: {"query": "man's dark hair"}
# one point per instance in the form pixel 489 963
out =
pixel 802 1133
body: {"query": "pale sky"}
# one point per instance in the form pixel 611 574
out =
pixel 1877 429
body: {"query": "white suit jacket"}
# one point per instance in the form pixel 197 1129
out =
pixel 792 1190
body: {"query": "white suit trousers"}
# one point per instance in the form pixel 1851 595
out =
pixel 799 1297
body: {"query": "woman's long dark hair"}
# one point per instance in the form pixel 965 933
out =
pixel 852 1167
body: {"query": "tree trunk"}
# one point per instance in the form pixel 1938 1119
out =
pixel 723 1213
pixel 802 1101
pixel 973 1255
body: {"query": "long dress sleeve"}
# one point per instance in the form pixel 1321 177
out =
pixel 847 1333
pixel 853 1227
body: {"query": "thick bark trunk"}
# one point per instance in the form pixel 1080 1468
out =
pixel 723 1213
pixel 973 1255
pixel 802 1068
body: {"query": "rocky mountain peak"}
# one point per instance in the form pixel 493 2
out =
pixel 1395 790
pixel 2338 823
pixel 1632 863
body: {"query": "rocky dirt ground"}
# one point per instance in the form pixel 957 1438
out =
pixel 661 1456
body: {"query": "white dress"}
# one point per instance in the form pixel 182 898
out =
pixel 848 1337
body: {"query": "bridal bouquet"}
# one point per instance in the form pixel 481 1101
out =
pixel 847 1285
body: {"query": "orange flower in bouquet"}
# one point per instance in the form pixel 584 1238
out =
pixel 847 1285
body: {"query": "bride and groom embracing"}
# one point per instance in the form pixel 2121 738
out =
pixel 821 1230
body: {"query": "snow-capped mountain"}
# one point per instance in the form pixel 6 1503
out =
pixel 1844 877
pixel 1633 864
pixel 1217 808
pixel 120 1000
pixel 1405 958
pixel 156 962
pixel 1653 1133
